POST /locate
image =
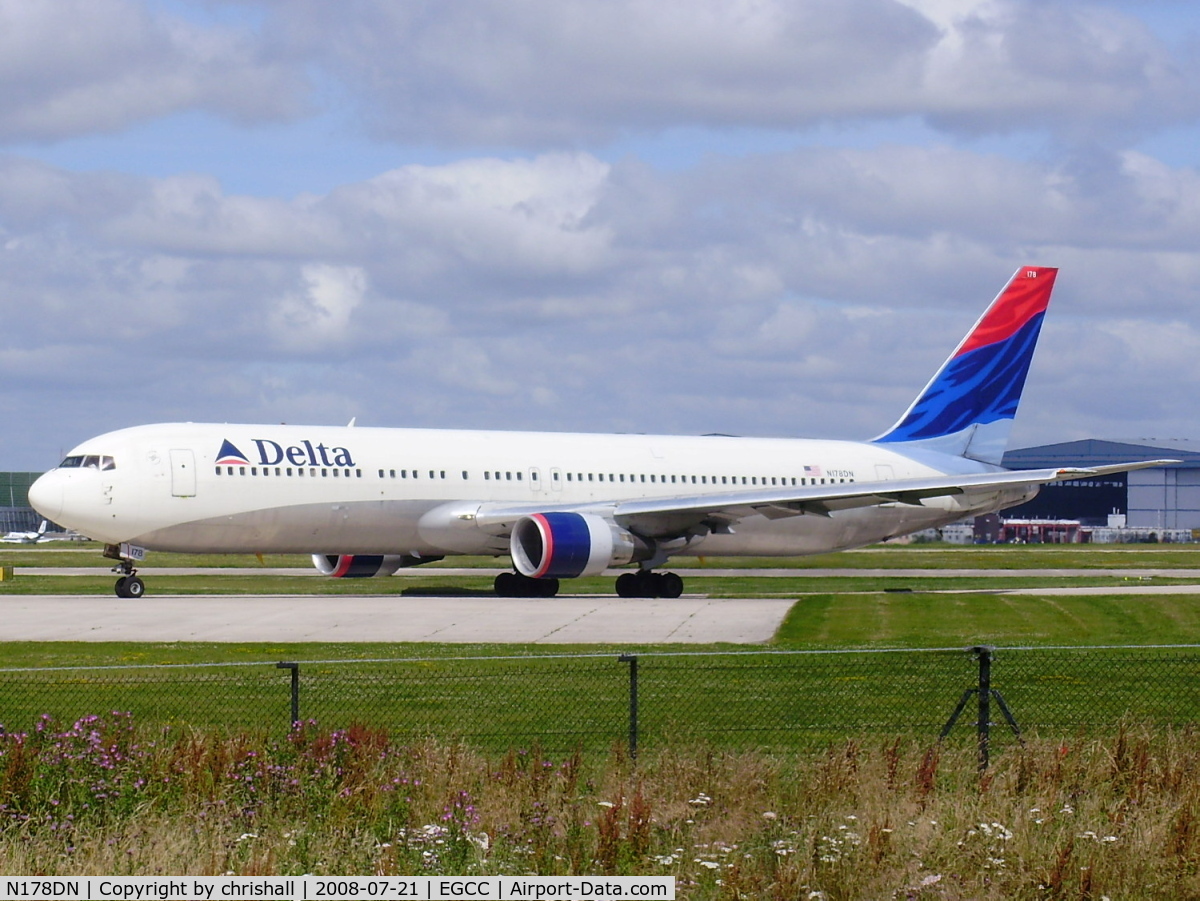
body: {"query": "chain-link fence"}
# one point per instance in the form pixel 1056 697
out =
pixel 764 699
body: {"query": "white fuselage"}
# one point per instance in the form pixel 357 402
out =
pixel 416 491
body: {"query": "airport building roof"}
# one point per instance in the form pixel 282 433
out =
pixel 1097 452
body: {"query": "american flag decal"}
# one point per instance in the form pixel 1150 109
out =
pixel 813 471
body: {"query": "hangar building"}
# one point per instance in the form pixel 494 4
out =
pixel 15 513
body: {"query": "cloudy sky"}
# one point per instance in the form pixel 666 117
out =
pixel 767 217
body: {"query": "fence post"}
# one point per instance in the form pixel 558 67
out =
pixel 295 668
pixel 632 660
pixel 984 654
pixel 983 724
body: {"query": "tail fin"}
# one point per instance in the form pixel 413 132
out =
pixel 967 409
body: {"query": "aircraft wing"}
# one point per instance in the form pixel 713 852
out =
pixel 663 517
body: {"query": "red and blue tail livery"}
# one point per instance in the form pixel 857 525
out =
pixel 967 409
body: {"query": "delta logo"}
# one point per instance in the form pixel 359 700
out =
pixel 230 455
pixel 272 453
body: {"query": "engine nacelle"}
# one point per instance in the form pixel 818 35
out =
pixel 566 545
pixel 363 566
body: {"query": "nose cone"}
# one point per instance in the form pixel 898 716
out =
pixel 46 496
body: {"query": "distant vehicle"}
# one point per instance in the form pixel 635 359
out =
pixel 366 502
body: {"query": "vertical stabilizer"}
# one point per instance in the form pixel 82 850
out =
pixel 967 409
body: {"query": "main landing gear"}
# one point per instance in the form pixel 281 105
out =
pixel 515 585
pixel 641 584
pixel 648 584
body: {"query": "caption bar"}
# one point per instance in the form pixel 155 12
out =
pixel 317 888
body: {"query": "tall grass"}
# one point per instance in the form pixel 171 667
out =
pixel 863 819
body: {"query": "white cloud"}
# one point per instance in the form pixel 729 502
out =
pixel 811 292
pixel 76 67
pixel 317 315
pixel 561 72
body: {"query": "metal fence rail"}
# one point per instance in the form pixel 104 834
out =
pixel 767 699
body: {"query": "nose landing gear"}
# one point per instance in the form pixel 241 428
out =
pixel 128 585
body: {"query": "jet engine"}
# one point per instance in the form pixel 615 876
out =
pixel 363 566
pixel 566 545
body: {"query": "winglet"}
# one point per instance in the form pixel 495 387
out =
pixel 967 409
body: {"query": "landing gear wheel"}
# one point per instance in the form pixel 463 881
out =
pixel 644 581
pixel 515 585
pixel 670 585
pixel 647 584
pixel 130 587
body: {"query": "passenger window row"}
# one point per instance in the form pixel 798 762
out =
pixel 499 475
pixel 703 480
pixel 288 471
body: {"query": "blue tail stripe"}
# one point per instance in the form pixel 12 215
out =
pixel 981 386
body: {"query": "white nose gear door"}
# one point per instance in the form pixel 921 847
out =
pixel 183 473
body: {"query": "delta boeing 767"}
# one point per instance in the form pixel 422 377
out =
pixel 368 501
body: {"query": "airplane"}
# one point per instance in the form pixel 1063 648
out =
pixel 368 501
pixel 25 537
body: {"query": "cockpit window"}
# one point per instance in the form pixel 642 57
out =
pixel 90 461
